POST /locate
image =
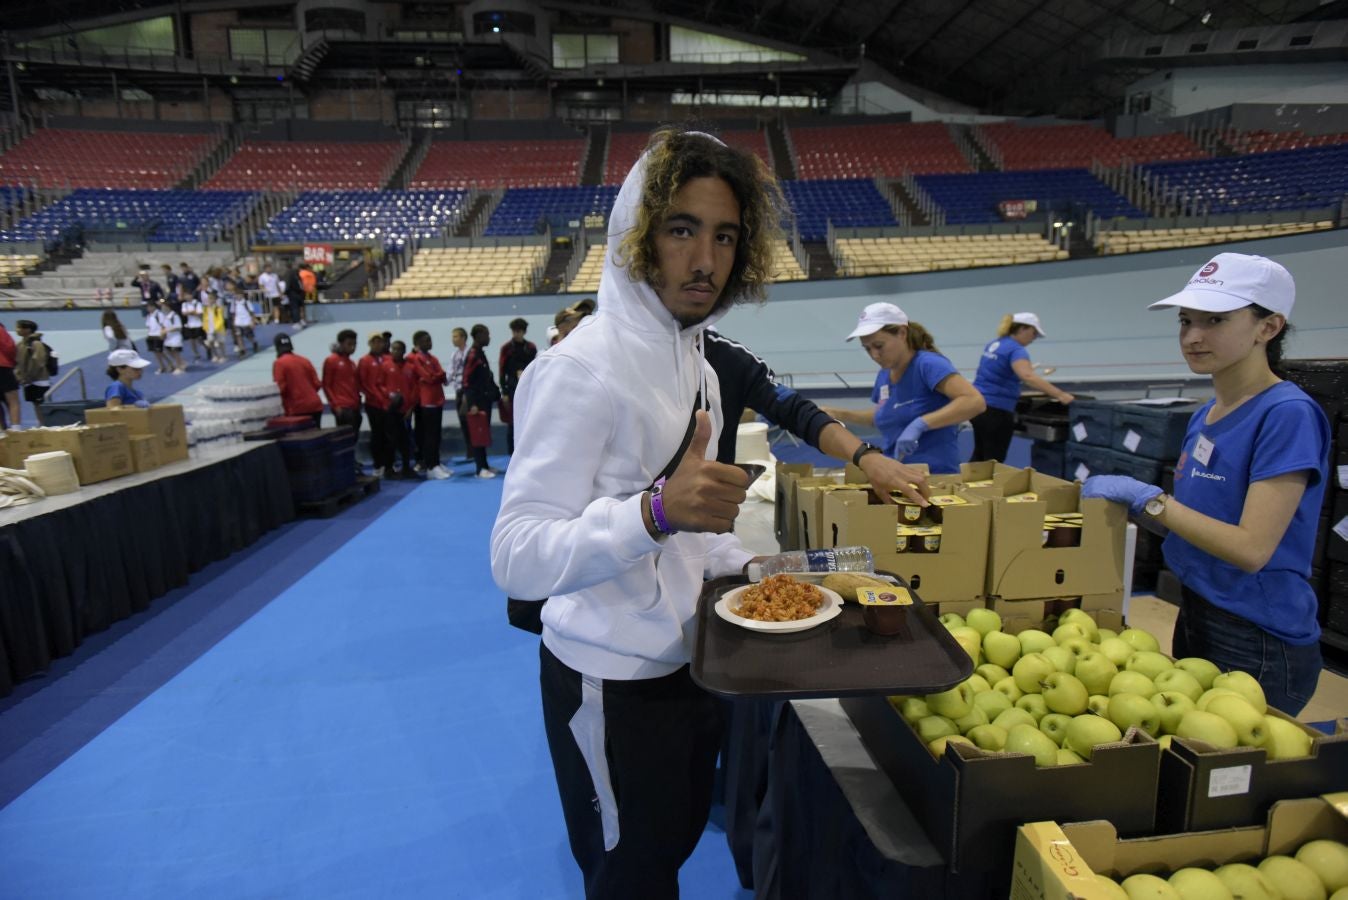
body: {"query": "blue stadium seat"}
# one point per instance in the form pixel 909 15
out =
pixel 847 203
pixel 523 210
pixel 158 216
pixel 1261 182
pixel 389 217
pixel 973 199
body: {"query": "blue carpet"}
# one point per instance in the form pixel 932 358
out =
pixel 372 731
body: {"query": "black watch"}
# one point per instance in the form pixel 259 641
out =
pixel 862 451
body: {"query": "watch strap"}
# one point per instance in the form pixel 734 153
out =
pixel 862 451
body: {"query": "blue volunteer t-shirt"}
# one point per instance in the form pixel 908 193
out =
pixel 996 380
pixel 128 395
pixel 1279 431
pixel 914 395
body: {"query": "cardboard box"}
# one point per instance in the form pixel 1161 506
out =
pixel 1204 788
pixel 145 452
pixel 1059 862
pixel 1019 615
pixel 785 521
pixel 1021 568
pixel 164 421
pixel 13 449
pixel 100 452
pixel 970 800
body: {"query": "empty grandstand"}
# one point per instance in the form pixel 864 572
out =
pixel 382 218
pixel 308 165
pixel 67 158
pixel 493 164
pixel 875 151
pixel 470 272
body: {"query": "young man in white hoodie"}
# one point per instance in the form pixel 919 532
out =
pixel 587 521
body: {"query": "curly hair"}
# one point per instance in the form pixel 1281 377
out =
pixel 676 158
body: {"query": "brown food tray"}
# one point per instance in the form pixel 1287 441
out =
pixel 840 658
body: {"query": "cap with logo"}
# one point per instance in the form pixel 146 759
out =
pixel 877 316
pixel 124 357
pixel 1231 281
pixel 1029 318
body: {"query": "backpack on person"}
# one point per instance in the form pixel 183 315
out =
pixel 53 361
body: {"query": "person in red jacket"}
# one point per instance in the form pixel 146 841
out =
pixel 339 382
pixel 374 385
pixel 298 381
pixel 9 385
pixel 402 373
pixel 431 381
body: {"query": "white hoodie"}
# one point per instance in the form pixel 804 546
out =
pixel 597 417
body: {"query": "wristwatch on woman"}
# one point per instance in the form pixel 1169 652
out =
pixel 1156 505
pixel 862 451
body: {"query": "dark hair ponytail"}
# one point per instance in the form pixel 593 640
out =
pixel 1274 348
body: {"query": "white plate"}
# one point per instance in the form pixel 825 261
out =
pixel 828 609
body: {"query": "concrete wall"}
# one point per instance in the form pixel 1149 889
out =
pixel 1186 91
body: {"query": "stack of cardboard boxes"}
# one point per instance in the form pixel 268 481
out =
pixel 115 442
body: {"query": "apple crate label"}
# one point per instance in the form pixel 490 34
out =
pixel 1230 782
pixel 1079 431
pixel 1082 472
pixel 1132 440
pixel 1341 528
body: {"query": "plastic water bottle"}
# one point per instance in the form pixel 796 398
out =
pixel 834 559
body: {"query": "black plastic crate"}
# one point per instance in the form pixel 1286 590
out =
pixel 1083 460
pixel 1149 546
pixel 1337 578
pixel 1326 380
pixel 1336 548
pixel 1091 422
pixel 1051 459
pixel 1155 432
pixel 1337 617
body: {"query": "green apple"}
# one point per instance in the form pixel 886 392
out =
pixel 1082 620
pixel 1126 710
pixel 1106 634
pixel 1178 680
pixel 1210 694
pixel 1001 649
pixel 952 620
pixel 1207 727
pixel 1340 894
pixel 953 703
pixel 1132 683
pixel 1068 757
pixel 1013 717
pixel 988 737
pixel 1095 671
pixel 1139 639
pixel 1055 726
pixel 1199 884
pixel 1085 732
pixel 914 708
pixel 1064 693
pixel 973 718
pixel 1296 880
pixel 1201 669
pixel 1244 718
pixel 933 727
pixel 1165 740
pixel 1171 707
pixel 978 683
pixel 1035 705
pixel 1329 860
pixel 1109 888
pixel 1243 683
pixel 1149 887
pixel 992 703
pixel 1032 640
pixel 992 673
pixel 1030 740
pixel 1079 646
pixel 1098 705
pixel 1117 649
pixel 1030 670
pixel 1246 882
pixel 937 747
pixel 1009 687
pixel 971 641
pixel 1060 656
pixel 1067 632
pixel 1286 740
pixel 1149 663
pixel 983 621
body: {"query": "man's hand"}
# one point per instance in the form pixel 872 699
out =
pixel 702 494
pixel 888 475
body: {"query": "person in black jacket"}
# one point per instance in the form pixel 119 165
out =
pixel 294 291
pixel 516 354
pixel 479 391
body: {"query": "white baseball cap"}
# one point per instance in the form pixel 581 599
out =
pixel 1231 281
pixel 877 316
pixel 1029 318
pixel 127 358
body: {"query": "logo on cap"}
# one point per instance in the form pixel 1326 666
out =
pixel 1208 269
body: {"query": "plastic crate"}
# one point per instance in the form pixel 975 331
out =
pixel 1326 380
pixel 1091 422
pixel 1155 432
pixel 308 458
pixel 1084 461
pixel 1051 459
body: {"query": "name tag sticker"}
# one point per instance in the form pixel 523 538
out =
pixel 1082 472
pixel 1341 529
pixel 1203 450
pixel 1230 781
pixel 1132 440
pixel 884 393
pixel 1079 431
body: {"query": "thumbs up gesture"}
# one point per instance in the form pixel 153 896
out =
pixel 702 494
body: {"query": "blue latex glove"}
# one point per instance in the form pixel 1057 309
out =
pixel 143 404
pixel 907 442
pixel 1120 489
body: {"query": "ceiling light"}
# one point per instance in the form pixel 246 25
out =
pixel 1206 16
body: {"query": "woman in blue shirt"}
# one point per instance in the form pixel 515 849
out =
pixel 124 369
pixel 919 398
pixel 1001 370
pixel 1248 485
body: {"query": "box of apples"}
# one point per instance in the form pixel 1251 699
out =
pixel 1299 853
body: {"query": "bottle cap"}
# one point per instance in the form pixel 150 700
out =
pixel 755 572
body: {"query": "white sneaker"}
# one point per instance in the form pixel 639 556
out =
pixel 486 473
pixel 439 473
pixel 416 467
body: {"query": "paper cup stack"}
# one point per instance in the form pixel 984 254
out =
pixel 53 472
